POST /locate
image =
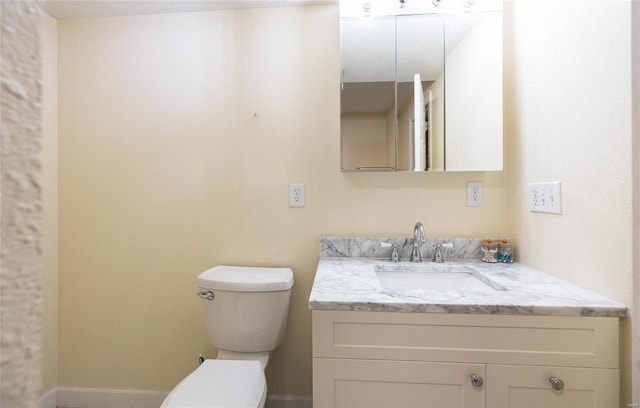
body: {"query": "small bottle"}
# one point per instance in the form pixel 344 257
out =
pixel 489 249
pixel 505 252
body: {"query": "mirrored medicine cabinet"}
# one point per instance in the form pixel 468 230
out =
pixel 421 87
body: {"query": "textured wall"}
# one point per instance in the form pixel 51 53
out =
pixel 49 202
pixel 569 120
pixel 20 209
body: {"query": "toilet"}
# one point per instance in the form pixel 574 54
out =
pixel 245 310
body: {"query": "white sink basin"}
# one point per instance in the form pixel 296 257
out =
pixel 433 277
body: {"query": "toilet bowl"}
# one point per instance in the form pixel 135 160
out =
pixel 245 310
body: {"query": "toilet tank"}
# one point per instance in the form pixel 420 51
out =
pixel 248 312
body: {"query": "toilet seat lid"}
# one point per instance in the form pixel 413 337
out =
pixel 246 278
pixel 220 383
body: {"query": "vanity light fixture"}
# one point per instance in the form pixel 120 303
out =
pixel 366 6
pixel 436 2
pixel 403 3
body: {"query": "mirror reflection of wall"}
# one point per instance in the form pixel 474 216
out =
pixel 367 102
pixel 421 91
pixel 474 92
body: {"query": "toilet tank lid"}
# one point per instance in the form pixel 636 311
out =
pixel 246 279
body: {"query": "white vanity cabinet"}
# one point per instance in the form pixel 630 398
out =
pixel 382 383
pixel 529 386
pixel 383 359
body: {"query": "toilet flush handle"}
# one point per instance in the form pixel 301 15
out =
pixel 206 295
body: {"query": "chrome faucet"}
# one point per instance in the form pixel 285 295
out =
pixel 418 238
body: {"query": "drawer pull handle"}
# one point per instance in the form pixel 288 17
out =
pixel 556 383
pixel 206 295
pixel 476 380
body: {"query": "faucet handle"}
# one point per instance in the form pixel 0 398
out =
pixel 394 251
pixel 437 256
pixel 394 254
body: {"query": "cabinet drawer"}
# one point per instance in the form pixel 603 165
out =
pixel 374 383
pixel 501 339
pixel 529 386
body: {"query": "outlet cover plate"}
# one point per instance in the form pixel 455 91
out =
pixel 545 197
pixel 296 195
pixel 474 194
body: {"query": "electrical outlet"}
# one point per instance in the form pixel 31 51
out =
pixel 474 194
pixel 545 197
pixel 296 195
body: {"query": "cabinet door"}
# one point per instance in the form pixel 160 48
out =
pixel 530 386
pixel 382 384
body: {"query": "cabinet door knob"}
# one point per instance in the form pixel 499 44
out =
pixel 476 380
pixel 556 383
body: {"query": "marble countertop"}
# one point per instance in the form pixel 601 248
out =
pixel 350 283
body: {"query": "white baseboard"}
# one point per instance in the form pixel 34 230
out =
pixel 76 397
pixel 288 401
pixel 72 397
pixel 49 399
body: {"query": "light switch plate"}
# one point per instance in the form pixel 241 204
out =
pixel 545 197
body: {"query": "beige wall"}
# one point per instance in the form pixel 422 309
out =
pixel 50 202
pixel 180 133
pixel 178 137
pixel 635 47
pixel 568 101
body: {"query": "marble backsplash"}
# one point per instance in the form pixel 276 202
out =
pixel 463 248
